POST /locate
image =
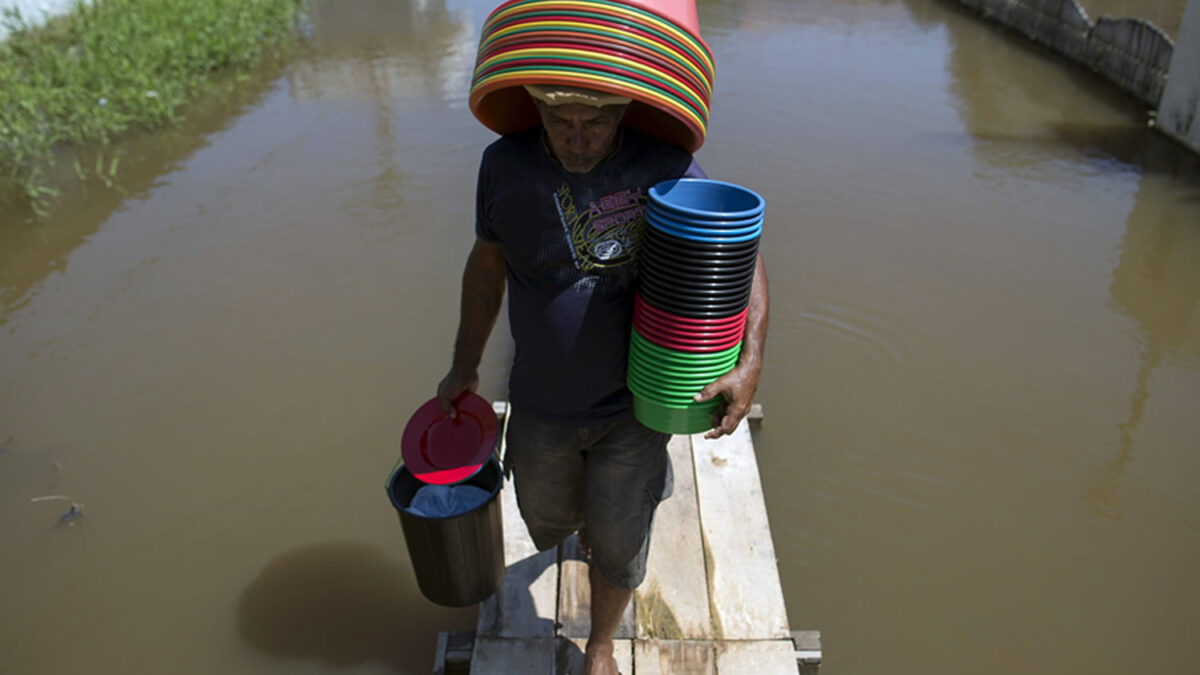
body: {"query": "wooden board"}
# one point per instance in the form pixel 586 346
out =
pixel 808 647
pixel 525 605
pixel 672 603
pixel 454 649
pixel 502 656
pixel 775 657
pixel 439 654
pixel 746 598
pixel 575 597
pixel 570 656
pixel 674 657
pixel 712 584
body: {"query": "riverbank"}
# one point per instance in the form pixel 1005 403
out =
pixel 98 72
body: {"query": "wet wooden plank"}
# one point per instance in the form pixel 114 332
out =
pixel 668 657
pixel 807 644
pixel 570 659
pixel 711 539
pixel 743 579
pixel 526 603
pixel 755 416
pixel 575 597
pixel 439 654
pixel 454 649
pixel 503 656
pixel 761 657
pixel 672 603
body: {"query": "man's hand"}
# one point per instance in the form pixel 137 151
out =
pixel 737 387
pixel 452 386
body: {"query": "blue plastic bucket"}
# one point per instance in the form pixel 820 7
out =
pixel 696 221
pixel 705 235
pixel 707 199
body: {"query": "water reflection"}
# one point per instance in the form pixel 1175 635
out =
pixel 723 18
pixel 1166 14
pixel 1157 278
pixel 1031 116
pixel 30 249
pixel 1157 283
pixel 996 96
pixel 1025 110
pixel 386 48
pixel 383 52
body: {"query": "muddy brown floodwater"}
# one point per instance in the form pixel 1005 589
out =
pixel 980 441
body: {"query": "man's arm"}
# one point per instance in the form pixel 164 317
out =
pixel 738 385
pixel 482 294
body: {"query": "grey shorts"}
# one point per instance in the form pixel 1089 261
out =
pixel 607 477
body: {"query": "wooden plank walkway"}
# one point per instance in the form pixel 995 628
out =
pixel 711 603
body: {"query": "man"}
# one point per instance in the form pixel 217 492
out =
pixel 558 215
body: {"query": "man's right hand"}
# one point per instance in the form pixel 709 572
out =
pixel 452 386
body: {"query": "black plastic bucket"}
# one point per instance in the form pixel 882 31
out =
pixel 458 560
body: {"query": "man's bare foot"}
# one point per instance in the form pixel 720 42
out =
pixel 598 659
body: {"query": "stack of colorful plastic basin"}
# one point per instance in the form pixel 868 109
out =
pixel 648 51
pixel 699 252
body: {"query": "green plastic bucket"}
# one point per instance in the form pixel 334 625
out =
pixel 660 392
pixel 647 352
pixel 657 380
pixel 669 419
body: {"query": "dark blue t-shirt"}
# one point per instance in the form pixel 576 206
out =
pixel 570 244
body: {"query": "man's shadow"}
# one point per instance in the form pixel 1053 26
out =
pixel 345 603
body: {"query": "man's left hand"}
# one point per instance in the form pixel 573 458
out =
pixel 737 387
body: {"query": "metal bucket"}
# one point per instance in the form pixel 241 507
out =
pixel 458 560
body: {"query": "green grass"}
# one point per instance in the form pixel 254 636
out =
pixel 113 67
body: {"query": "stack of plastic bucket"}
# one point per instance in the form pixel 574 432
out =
pixel 649 51
pixel 699 253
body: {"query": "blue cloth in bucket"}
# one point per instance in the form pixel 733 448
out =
pixel 444 501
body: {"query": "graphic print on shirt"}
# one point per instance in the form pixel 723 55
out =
pixel 603 232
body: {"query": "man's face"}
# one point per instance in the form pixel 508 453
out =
pixel 580 135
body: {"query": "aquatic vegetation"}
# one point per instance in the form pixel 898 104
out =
pixel 114 66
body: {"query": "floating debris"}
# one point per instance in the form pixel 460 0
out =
pixel 70 515
pixel 4 446
pixel 76 511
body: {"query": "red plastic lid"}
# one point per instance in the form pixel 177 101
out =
pixel 442 450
